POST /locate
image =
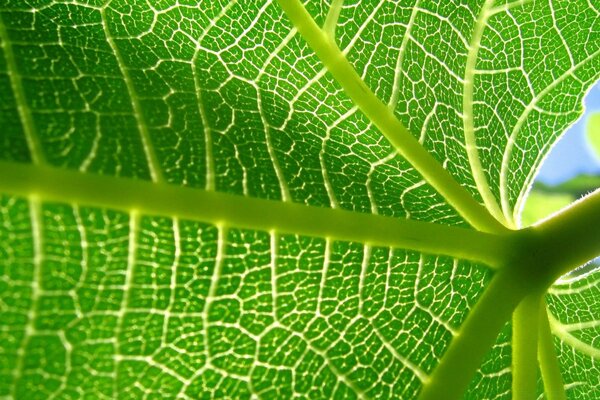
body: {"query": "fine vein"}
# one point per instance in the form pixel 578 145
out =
pixel 384 119
pixel 451 377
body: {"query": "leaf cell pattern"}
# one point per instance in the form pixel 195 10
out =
pixel 226 96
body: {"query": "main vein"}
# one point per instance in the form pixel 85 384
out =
pixel 54 184
pixel 524 347
pixel 383 118
pixel 477 334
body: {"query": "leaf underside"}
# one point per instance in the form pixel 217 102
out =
pixel 228 97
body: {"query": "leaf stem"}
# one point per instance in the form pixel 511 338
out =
pixel 570 238
pixel 524 347
pixel 476 336
pixel 54 184
pixel 384 119
pixel 554 387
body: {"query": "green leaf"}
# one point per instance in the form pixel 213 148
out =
pixel 211 199
pixel 593 133
pixel 576 333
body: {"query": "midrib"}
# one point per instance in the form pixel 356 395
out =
pixel 73 187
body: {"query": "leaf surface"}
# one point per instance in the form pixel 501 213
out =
pixel 227 96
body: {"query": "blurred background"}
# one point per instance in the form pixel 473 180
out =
pixel 571 170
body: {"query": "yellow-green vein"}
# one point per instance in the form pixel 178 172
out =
pixel 384 119
pixel 468 117
pixel 53 184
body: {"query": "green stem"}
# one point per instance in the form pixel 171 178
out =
pixel 477 335
pixel 570 238
pixel 385 120
pixel 53 184
pixel 524 347
pixel 554 387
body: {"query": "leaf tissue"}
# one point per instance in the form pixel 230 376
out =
pixel 292 199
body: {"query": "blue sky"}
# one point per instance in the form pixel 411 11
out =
pixel 571 155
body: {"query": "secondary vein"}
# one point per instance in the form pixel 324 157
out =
pixel 384 119
pixel 554 387
pixel 151 158
pixel 16 84
pixel 468 117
